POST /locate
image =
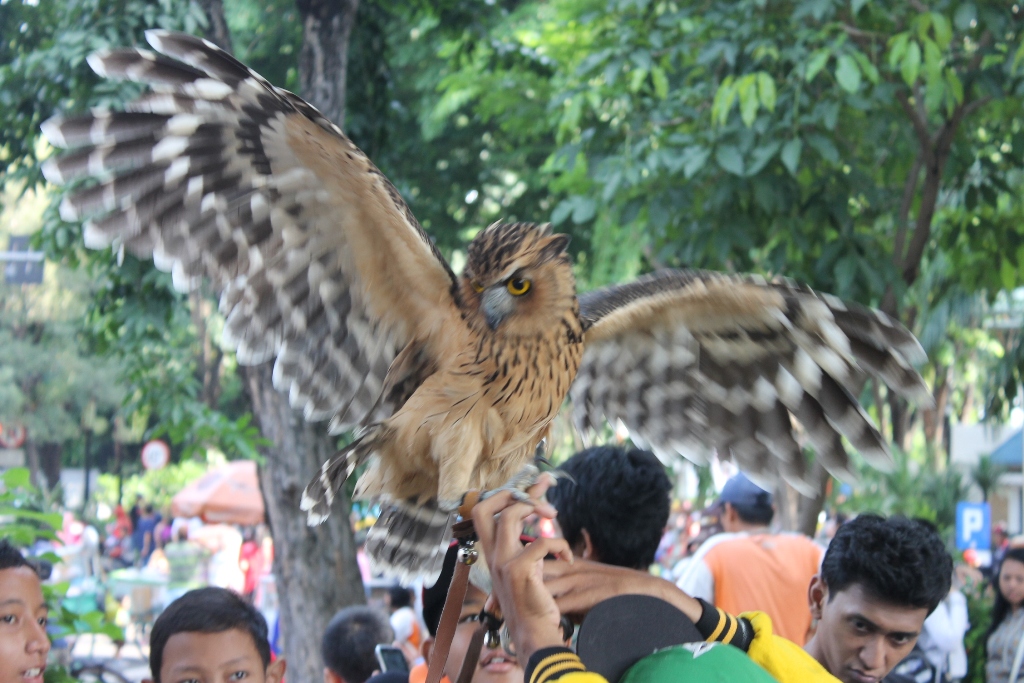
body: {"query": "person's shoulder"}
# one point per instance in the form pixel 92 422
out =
pixel 782 658
pixel 797 540
pixel 717 540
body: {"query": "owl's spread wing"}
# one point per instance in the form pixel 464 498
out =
pixel 691 360
pixel 217 173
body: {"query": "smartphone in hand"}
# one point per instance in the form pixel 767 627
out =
pixel 391 658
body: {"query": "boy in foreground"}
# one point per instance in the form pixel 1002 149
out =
pixel 23 640
pixel 211 635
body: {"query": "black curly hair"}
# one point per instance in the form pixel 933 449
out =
pixel 898 560
pixel 621 497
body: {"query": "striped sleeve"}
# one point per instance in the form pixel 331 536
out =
pixel 718 625
pixel 558 664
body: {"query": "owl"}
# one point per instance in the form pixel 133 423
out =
pixel 450 381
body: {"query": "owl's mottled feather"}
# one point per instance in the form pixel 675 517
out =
pixel 452 381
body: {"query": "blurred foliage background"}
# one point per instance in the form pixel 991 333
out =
pixel 873 150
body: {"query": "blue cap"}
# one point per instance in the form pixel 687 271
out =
pixel 741 491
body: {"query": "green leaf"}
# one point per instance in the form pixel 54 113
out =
pixel 845 271
pixel 869 70
pixel 724 97
pixel 747 91
pixel 847 73
pixel 911 65
pixel 791 154
pixel 964 15
pixel 857 5
pixel 766 91
pixel 898 49
pixel 816 63
pixel 730 159
pixel 636 79
pixel 1007 274
pixel 943 31
pixel 696 158
pixel 761 155
pixel 932 59
pixel 584 210
pixel 660 81
pixel 561 212
pixel 825 147
pixel 17 477
pixel 956 88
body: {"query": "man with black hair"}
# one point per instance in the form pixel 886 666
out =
pixel 613 505
pixel 212 634
pixel 23 613
pixel 349 642
pixel 750 568
pixel 879 580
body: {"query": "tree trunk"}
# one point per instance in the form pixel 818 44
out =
pixel 323 60
pixel 32 462
pixel 810 508
pixel 315 567
pixel 217 28
pixel 49 462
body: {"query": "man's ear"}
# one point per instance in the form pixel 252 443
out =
pixel 817 596
pixel 275 672
pixel 426 647
pixel 588 552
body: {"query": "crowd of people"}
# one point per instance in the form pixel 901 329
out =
pixel 878 604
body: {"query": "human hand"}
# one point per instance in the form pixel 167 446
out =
pixel 578 587
pixel 530 613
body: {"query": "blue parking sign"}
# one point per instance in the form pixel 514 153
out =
pixel 973 526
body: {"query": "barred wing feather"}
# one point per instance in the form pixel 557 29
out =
pixel 691 359
pixel 216 173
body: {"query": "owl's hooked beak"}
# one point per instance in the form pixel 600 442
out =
pixel 497 305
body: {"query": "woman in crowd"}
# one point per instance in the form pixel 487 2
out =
pixel 1004 642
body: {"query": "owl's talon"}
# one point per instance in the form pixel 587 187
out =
pixel 518 485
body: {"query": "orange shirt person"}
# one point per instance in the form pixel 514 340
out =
pixel 748 568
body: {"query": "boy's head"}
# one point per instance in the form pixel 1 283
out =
pixel 879 580
pixel 23 640
pixel 349 642
pixel 614 505
pixel 399 597
pixel 211 634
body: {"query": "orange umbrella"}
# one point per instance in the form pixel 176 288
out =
pixel 229 494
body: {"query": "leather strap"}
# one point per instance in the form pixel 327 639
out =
pixel 472 654
pixel 449 622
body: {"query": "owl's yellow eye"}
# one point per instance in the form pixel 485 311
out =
pixel 517 286
pixel 477 287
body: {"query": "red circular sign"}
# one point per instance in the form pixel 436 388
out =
pixel 155 455
pixel 13 437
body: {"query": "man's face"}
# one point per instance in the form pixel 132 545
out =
pixel 494 666
pixel 23 640
pixel 224 657
pixel 860 638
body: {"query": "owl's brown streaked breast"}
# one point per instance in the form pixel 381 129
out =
pixel 533 374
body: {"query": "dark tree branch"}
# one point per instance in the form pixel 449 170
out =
pixel 217 26
pixel 323 60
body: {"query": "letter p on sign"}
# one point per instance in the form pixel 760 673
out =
pixel 973 526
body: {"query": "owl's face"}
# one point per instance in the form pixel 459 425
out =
pixel 518 280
